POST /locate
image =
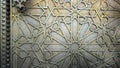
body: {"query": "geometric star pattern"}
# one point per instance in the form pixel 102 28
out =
pixel 65 33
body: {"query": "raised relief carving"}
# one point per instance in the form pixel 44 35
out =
pixel 20 4
pixel 66 34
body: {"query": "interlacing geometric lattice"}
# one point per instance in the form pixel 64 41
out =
pixel 65 33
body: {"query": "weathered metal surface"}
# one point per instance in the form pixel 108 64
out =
pixel 65 33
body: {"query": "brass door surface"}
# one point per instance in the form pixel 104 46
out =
pixel 64 33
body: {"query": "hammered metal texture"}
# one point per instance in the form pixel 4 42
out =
pixel 65 34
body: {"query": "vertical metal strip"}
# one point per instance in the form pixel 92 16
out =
pixel 7 33
pixel 3 34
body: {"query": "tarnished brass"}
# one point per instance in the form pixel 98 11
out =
pixel 65 33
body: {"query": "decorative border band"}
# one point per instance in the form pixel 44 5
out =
pixel 5 34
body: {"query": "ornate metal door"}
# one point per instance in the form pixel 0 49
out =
pixel 60 34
